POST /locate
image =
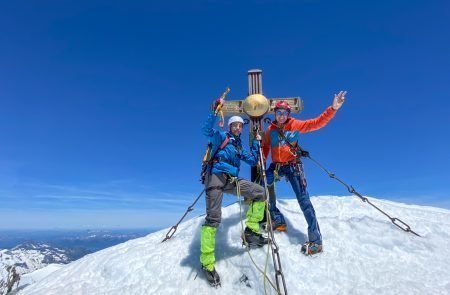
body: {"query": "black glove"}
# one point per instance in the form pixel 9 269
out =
pixel 216 104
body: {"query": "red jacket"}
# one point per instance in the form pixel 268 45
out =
pixel 291 128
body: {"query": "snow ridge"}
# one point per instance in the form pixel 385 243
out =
pixel 364 253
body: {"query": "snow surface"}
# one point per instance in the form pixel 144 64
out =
pixel 364 253
pixel 27 258
pixel 38 275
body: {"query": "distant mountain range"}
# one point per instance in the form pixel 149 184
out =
pixel 32 256
pixel 29 257
pixel 59 248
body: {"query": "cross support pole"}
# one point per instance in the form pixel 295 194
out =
pixel 256 106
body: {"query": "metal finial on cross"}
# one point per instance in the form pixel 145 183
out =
pixel 256 105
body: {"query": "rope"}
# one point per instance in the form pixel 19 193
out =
pixel 274 246
pixel 263 272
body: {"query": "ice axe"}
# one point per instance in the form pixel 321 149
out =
pixel 220 105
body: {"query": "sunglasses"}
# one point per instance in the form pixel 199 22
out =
pixel 282 113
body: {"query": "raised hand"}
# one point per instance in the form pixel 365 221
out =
pixel 218 104
pixel 339 100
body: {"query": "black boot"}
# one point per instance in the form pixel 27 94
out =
pixel 309 248
pixel 254 240
pixel 212 277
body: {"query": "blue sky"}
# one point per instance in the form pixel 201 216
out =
pixel 101 103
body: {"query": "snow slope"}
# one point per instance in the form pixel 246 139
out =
pixel 364 254
pixel 27 258
pixel 38 275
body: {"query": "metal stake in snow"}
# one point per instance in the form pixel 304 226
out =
pixel 173 229
pixel 396 221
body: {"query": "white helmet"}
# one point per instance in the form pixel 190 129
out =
pixel 235 119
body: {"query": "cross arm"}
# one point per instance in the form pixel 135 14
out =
pixel 235 107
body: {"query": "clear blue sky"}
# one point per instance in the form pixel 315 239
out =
pixel 101 103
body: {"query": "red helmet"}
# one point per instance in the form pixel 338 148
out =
pixel 282 104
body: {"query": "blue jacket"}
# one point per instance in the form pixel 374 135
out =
pixel 229 158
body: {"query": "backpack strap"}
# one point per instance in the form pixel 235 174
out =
pixel 221 147
pixel 207 166
pixel 224 143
